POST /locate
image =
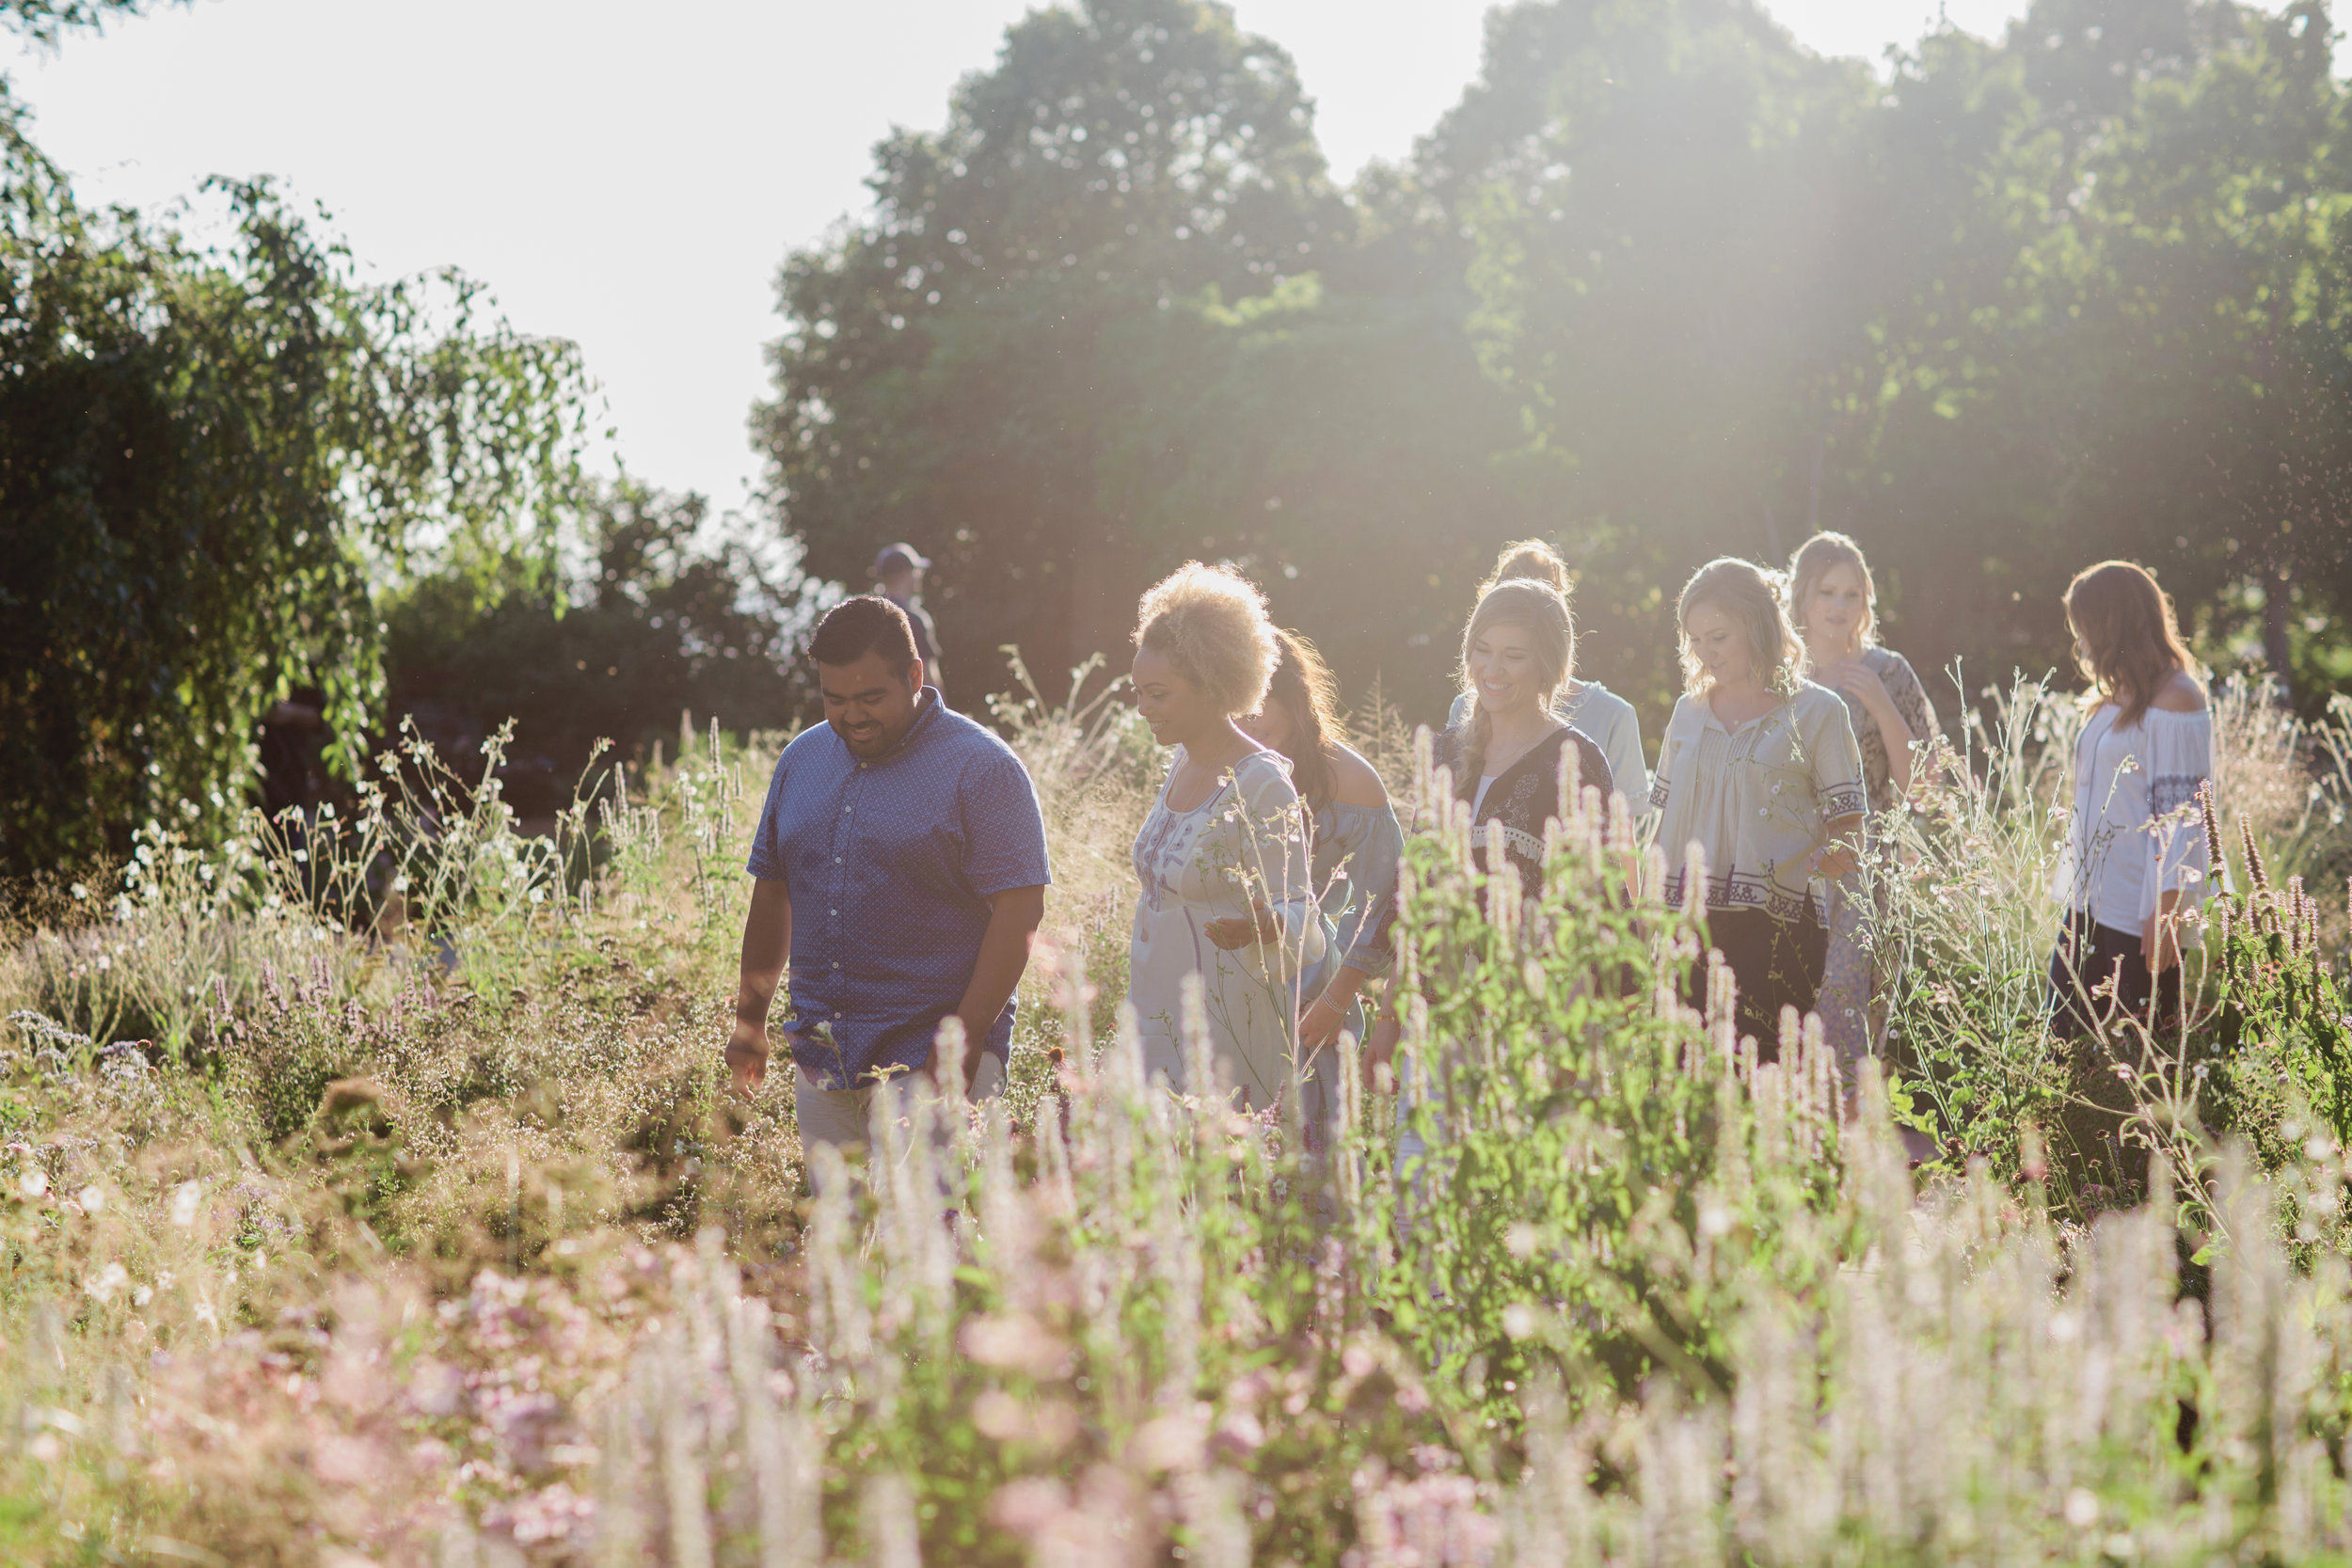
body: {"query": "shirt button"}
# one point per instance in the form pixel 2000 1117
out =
pixel 836 860
pixel 836 966
pixel 833 912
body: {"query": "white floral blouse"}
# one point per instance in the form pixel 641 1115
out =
pixel 1755 800
pixel 1247 840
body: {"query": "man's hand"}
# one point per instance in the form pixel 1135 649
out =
pixel 767 938
pixel 956 1054
pixel 747 1056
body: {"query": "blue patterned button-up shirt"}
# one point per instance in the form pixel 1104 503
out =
pixel 890 865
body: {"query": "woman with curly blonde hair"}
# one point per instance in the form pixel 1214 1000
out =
pixel 1227 891
pixel 1760 773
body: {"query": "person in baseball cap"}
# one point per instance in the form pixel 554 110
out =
pixel 899 569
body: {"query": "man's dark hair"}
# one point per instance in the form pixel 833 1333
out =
pixel 869 624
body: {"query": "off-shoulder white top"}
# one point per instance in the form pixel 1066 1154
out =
pixel 1755 799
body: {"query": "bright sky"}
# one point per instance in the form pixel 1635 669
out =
pixel 630 176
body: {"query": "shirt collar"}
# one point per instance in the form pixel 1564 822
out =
pixel 927 703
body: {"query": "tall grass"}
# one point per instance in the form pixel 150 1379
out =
pixel 436 1239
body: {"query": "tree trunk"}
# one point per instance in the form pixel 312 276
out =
pixel 2276 653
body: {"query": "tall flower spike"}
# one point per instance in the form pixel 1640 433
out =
pixel 1693 882
pixel 2254 869
pixel 1722 1008
pixel 2212 824
pixel 1621 833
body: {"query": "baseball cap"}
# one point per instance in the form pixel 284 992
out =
pixel 900 557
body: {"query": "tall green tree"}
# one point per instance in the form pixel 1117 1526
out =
pixel 211 459
pixel 959 366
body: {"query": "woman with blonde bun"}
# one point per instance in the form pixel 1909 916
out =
pixel 1222 856
pixel 1759 771
pixel 1587 705
pixel 1833 605
pixel 1509 754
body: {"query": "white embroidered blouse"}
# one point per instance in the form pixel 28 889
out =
pixel 1756 799
pixel 1247 840
pixel 2137 831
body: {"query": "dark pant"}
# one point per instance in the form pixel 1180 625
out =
pixel 1777 962
pixel 2090 959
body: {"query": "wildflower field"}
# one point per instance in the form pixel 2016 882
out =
pixel 372 1194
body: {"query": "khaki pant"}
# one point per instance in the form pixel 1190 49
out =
pixel 845 1116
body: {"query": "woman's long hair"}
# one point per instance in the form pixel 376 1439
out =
pixel 1815 560
pixel 1304 686
pixel 1544 611
pixel 1750 596
pixel 2126 640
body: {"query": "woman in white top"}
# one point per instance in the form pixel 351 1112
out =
pixel 2135 853
pixel 1759 772
pixel 1222 856
pixel 1605 717
pixel 1834 605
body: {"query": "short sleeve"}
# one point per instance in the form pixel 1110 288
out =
pixel 1372 870
pixel 1627 767
pixel 1835 757
pixel 1662 781
pixel 1274 821
pixel 1911 697
pixel 1004 832
pixel 766 860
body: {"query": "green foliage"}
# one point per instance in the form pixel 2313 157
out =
pixel 1661 285
pixel 209 456
pixel 665 619
pixel 47 21
pixel 1081 338
pixel 426 1232
pixel 1581 1141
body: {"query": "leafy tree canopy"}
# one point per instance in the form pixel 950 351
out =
pixel 211 457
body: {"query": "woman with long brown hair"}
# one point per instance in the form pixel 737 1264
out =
pixel 1605 717
pixel 1833 603
pixel 1759 772
pixel 2136 852
pixel 1507 751
pixel 1353 837
pixel 1518 654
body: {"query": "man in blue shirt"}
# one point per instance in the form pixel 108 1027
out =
pixel 900 861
